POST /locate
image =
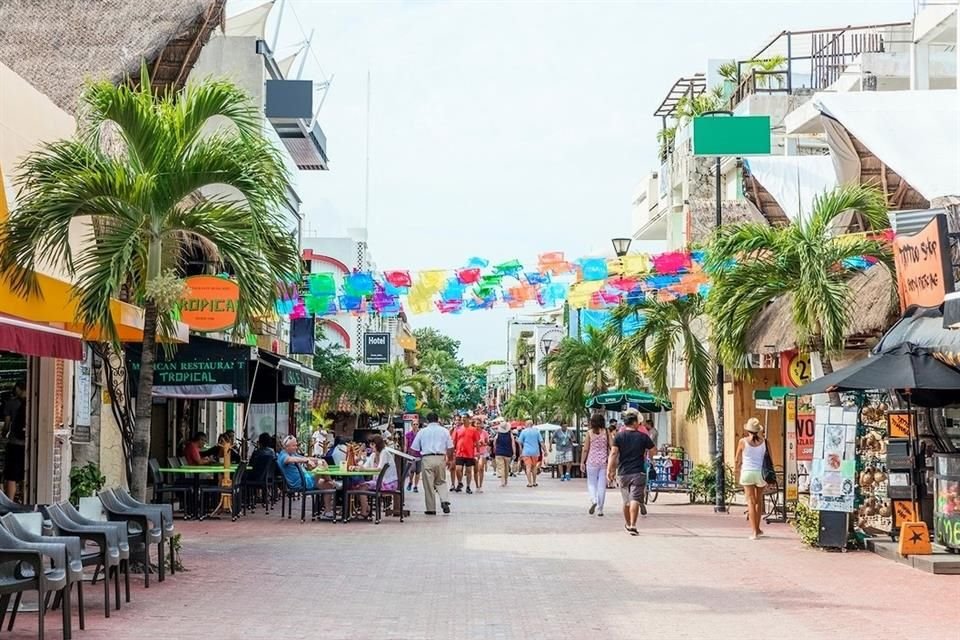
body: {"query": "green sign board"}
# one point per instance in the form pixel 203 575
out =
pixel 723 135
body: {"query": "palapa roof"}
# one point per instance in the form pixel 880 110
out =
pixel 874 309
pixel 58 45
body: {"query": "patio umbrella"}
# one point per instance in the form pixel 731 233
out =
pixel 902 367
pixel 614 401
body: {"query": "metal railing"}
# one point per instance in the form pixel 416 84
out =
pixel 816 58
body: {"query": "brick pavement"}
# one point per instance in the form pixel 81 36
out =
pixel 522 563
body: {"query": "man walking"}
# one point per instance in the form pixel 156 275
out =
pixel 531 451
pixel 628 458
pixel 563 445
pixel 436 451
pixel 465 440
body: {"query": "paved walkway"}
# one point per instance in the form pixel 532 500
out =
pixel 523 563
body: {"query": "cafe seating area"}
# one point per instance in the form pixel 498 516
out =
pixel 214 491
pixel 46 550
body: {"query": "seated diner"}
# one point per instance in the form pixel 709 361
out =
pixel 289 461
pixel 378 458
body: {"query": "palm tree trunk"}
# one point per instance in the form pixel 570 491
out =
pixel 144 410
pixel 711 420
pixel 816 345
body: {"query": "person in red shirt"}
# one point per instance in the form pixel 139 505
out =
pixel 465 440
pixel 191 451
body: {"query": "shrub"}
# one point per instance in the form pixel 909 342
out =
pixel 703 483
pixel 807 524
pixel 85 481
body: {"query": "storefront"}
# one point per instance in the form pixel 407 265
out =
pixel 214 386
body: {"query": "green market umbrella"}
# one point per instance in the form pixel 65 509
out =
pixel 615 401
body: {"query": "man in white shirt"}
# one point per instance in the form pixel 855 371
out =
pixel 436 450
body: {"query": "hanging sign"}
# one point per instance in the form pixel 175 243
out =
pixel 924 274
pixel 376 348
pixel 209 303
pixel 794 368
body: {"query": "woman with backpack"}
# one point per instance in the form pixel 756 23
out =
pixel 593 462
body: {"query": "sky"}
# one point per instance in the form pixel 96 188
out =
pixel 508 129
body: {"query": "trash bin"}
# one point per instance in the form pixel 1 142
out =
pixel 946 514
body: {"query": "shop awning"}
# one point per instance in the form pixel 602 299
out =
pixel 32 339
pixel 291 372
pixel 56 305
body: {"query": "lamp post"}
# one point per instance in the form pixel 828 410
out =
pixel 621 246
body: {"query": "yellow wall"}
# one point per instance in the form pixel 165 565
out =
pixel 27 119
pixel 739 406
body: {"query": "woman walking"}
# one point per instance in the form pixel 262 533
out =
pixel 593 462
pixel 483 453
pixel 751 451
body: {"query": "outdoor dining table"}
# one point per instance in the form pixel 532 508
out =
pixel 337 472
pixel 196 471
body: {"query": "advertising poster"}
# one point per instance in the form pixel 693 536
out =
pixel 833 467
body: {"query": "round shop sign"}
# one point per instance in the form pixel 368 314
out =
pixel 209 303
pixel 798 369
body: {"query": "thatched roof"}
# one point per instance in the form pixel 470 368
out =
pixel 57 45
pixel 703 216
pixel 874 310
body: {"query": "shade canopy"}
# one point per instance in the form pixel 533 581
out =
pixel 904 367
pixel 615 400
pixel 32 339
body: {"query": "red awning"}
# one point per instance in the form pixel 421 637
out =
pixel 33 339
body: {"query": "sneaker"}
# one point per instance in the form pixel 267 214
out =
pixel 469 490
pixel 459 488
pixel 643 509
pixel 593 508
pixel 753 536
pixel 600 513
pixel 409 487
pixel 633 531
pixel 327 516
pixel 445 506
pixel 416 489
pixel 429 513
pixel 567 477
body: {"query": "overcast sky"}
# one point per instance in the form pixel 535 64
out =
pixel 508 129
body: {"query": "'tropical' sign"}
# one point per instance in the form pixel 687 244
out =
pixel 209 303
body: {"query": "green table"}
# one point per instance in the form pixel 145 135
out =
pixel 196 472
pixel 335 472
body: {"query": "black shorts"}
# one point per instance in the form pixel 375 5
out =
pixel 466 462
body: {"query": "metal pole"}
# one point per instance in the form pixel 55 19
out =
pixel 721 504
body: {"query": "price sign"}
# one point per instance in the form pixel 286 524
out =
pixel 794 368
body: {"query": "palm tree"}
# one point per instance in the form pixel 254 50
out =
pixel 366 392
pixel 753 263
pixel 396 380
pixel 519 406
pixel 667 333
pixel 162 195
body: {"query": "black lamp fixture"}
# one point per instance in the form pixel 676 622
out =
pixel 621 246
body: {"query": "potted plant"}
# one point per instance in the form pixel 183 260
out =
pixel 85 482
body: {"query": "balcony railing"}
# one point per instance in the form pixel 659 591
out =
pixel 812 60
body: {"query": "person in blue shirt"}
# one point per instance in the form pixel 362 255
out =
pixel 289 463
pixel 531 451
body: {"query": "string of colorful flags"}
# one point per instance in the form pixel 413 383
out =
pixel 585 283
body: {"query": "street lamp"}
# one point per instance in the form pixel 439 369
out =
pixel 621 246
